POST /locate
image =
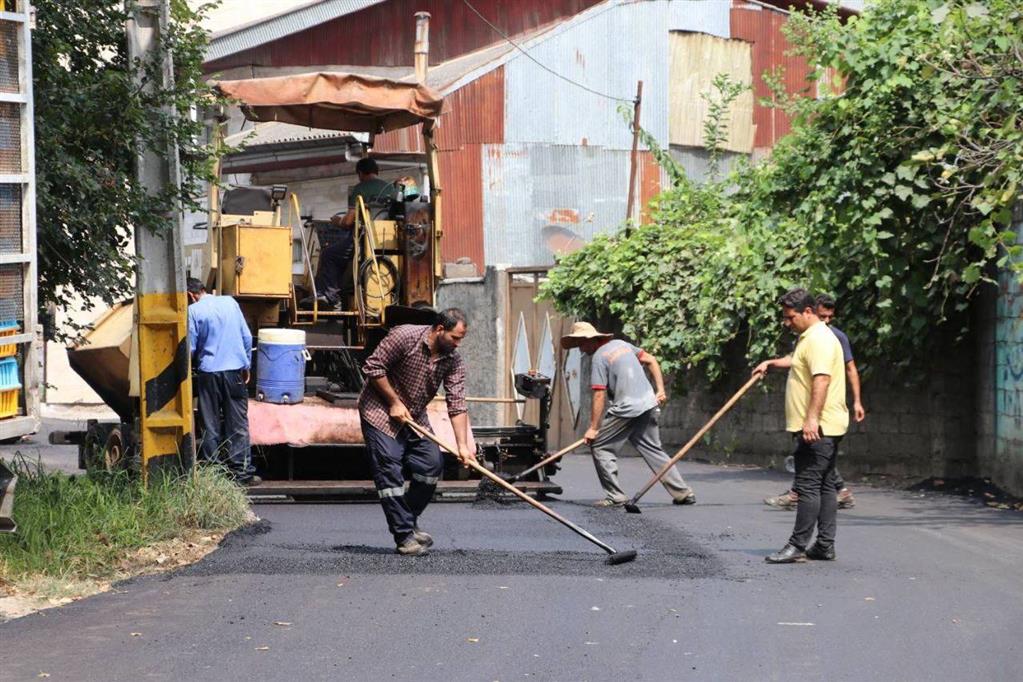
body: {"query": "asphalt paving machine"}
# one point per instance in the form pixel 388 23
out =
pixel 314 447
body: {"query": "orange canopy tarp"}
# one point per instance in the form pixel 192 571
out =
pixel 335 101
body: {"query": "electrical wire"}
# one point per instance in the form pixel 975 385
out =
pixel 541 64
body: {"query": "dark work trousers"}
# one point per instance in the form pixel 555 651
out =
pixel 224 421
pixel 390 459
pixel 333 260
pixel 815 485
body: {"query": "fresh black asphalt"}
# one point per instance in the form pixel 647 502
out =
pixel 925 588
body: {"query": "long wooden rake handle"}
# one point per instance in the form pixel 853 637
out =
pixel 695 439
pixel 512 489
pixel 544 462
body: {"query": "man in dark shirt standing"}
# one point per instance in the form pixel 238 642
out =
pixel 402 377
pixel 334 258
pixel 221 344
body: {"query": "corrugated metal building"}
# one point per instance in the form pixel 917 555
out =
pixel 533 141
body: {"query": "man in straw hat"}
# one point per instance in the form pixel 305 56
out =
pixel 616 371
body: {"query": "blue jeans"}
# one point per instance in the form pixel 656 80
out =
pixel 389 459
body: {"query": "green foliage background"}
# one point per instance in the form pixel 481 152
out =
pixel 90 118
pixel 895 196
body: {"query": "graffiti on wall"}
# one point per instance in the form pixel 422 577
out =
pixel 1009 367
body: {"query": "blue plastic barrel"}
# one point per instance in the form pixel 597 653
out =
pixel 280 366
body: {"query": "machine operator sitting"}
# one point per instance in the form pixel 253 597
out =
pixel 336 256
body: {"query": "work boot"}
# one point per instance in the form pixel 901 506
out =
pixel 818 553
pixel 608 502
pixel 688 498
pixel 422 537
pixel 411 547
pixel 789 554
pixel 846 499
pixel 787 500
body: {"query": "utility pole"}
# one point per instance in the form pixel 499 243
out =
pixel 161 305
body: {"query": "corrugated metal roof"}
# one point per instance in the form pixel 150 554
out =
pixel 252 29
pixel 384 33
pixel 285 133
pixel 527 187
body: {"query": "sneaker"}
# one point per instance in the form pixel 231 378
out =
pixel 411 547
pixel 249 482
pixel 846 499
pixel 690 498
pixel 608 502
pixel 787 500
pixel 422 537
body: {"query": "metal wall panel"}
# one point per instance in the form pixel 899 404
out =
pixel 762 27
pixel 702 16
pixel 608 49
pixel 696 60
pixel 383 35
pixel 462 208
pixel 527 187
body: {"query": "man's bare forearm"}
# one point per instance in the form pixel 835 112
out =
pixel 655 371
pixel 460 424
pixel 597 410
pixel 853 375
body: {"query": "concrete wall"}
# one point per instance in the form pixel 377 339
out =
pixel 482 299
pixel 915 426
pixel 1004 395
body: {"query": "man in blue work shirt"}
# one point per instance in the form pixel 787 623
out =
pixel 221 345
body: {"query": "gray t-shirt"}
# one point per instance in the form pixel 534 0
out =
pixel 616 367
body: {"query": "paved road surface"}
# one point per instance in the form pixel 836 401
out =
pixel 925 588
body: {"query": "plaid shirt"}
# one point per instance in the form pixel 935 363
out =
pixel 404 358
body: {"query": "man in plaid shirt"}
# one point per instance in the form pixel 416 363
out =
pixel 402 377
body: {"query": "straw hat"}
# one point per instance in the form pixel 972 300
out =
pixel 580 332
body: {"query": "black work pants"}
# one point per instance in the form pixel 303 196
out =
pixel 333 261
pixel 815 485
pixel 389 459
pixel 224 421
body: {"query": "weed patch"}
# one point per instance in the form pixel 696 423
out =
pixel 85 528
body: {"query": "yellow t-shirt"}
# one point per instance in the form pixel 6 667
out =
pixel 817 352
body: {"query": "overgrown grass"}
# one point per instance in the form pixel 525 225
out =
pixel 83 527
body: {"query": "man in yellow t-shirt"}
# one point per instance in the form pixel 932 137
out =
pixel 817 417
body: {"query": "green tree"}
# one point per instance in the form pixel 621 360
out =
pixel 895 195
pixel 90 117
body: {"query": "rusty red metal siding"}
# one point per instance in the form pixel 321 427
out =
pixel 649 184
pixel 473 114
pixel 382 35
pixel 763 28
pixel 461 179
